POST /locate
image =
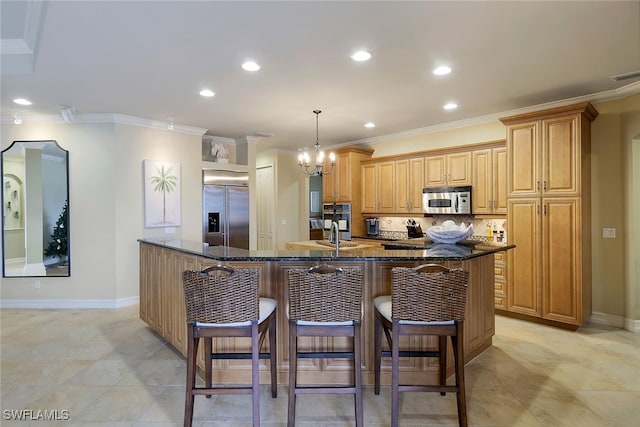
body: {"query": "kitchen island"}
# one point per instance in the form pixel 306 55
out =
pixel 162 302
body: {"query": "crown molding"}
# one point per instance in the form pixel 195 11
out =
pixel 219 139
pixel 622 92
pixel 113 118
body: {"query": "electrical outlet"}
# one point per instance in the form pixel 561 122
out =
pixel 284 222
pixel 608 233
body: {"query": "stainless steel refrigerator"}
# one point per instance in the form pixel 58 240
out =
pixel 225 201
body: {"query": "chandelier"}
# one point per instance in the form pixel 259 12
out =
pixel 318 169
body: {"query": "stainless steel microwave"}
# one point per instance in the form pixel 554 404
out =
pixel 447 200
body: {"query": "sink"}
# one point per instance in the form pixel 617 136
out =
pixel 342 244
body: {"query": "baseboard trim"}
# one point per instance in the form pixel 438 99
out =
pixel 44 304
pixel 615 321
pixel 632 325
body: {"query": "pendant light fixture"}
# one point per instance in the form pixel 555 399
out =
pixel 318 169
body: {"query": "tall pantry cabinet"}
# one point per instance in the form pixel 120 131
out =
pixel 548 215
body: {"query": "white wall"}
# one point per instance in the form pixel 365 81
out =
pixel 106 209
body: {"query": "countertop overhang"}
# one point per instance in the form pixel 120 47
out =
pixel 430 253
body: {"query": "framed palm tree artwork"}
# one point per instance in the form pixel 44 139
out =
pixel 161 194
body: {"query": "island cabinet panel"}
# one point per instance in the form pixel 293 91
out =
pixel 162 308
pixel 549 214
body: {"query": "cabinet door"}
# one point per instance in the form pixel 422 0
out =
pixel 561 157
pixel 369 202
pixel 401 203
pixel 458 171
pixel 329 188
pixel 482 196
pixel 523 285
pixel 416 183
pixel 342 172
pixel 523 159
pixel 499 185
pixel 435 171
pixel 561 263
pixel 386 186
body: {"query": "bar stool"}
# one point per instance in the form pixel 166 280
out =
pixel 426 300
pixel 325 301
pixel 223 302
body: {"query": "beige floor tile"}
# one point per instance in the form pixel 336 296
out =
pixel 111 370
pixel 121 403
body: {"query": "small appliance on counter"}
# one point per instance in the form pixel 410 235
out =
pixel 413 229
pixel 373 227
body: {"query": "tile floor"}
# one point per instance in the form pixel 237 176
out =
pixel 106 368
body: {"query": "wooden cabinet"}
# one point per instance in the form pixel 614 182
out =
pixel 409 180
pixel 489 195
pixel 161 301
pixel 546 157
pixel 500 280
pixel 344 184
pixel 548 219
pixel 378 187
pixel 448 170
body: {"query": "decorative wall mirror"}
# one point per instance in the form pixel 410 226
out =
pixel 35 210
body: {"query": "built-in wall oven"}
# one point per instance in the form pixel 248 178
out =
pixel 340 213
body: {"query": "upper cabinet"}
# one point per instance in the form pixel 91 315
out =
pixel 378 187
pixel 489 181
pixel 546 155
pixel 409 180
pixel 448 170
pixel 343 184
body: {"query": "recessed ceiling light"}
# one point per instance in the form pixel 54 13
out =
pixel 22 101
pixel 370 125
pixel 441 70
pixel 450 106
pixel 250 66
pixel 361 55
pixel 207 93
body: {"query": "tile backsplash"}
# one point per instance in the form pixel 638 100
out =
pixel 483 229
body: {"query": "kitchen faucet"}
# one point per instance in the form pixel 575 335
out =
pixel 334 238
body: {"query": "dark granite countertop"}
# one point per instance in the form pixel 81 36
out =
pixel 435 252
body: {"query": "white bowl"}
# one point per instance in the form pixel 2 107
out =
pixel 454 234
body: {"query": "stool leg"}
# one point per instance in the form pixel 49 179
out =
pixel 207 363
pixel 192 347
pixel 395 375
pixel 357 369
pixel 458 355
pixel 273 356
pixel 377 350
pixel 293 361
pixel 255 374
pixel 442 347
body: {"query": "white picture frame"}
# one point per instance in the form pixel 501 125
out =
pixel 162 194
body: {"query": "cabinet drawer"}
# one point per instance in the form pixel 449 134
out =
pixel 500 273
pixel 498 257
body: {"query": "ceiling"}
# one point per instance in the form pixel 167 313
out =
pixel 149 59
